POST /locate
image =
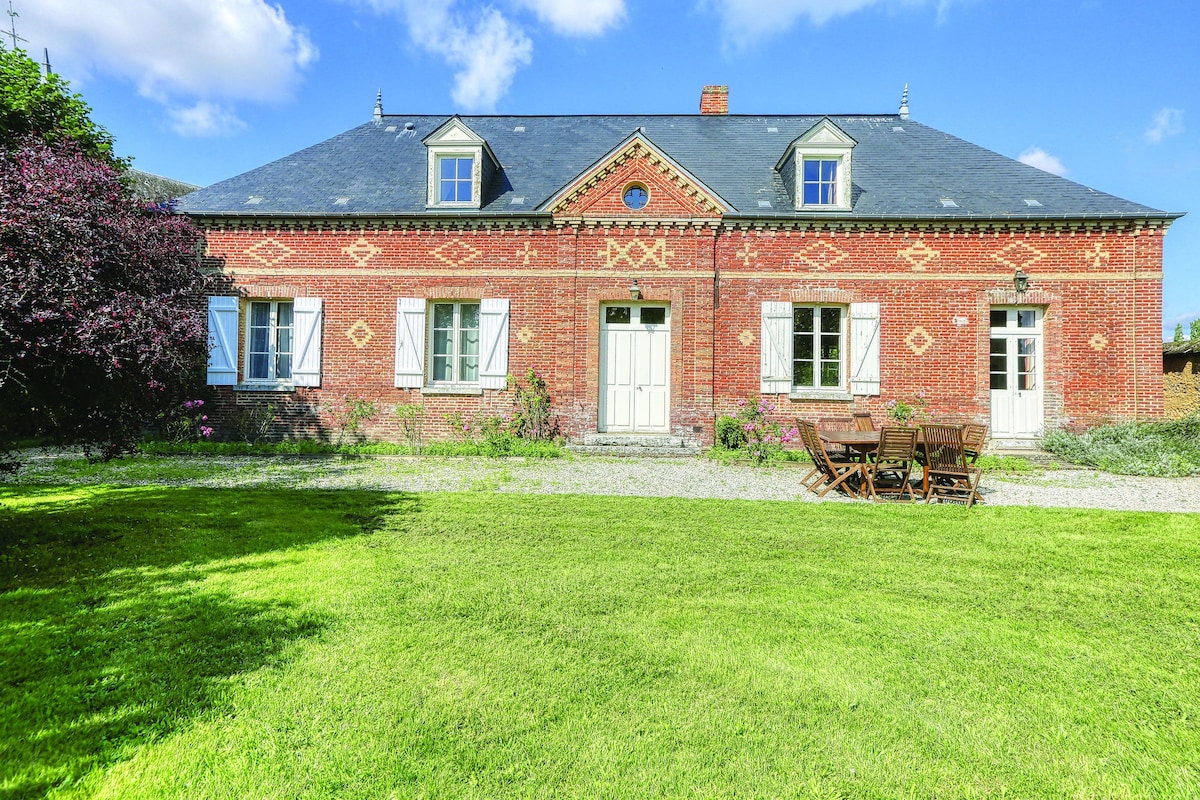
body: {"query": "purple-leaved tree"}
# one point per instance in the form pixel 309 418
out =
pixel 101 324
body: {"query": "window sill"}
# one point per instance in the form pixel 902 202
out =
pixel 809 394
pixel 264 387
pixel 454 389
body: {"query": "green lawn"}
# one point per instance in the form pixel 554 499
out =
pixel 194 643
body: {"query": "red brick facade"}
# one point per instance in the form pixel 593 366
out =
pixel 1098 285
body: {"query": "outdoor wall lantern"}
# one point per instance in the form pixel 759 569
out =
pixel 1020 281
pixel 635 291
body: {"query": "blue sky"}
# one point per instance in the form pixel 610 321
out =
pixel 1105 93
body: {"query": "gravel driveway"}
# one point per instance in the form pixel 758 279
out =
pixel 648 477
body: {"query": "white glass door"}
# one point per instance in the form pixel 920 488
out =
pixel 1016 373
pixel 635 351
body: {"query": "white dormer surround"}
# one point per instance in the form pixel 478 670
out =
pixel 461 166
pixel 816 168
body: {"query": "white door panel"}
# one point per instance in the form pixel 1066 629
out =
pixel 635 376
pixel 1016 373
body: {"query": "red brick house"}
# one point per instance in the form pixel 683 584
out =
pixel 658 269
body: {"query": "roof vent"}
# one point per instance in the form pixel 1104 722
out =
pixel 517 201
pixel 772 129
pixel 519 129
pixel 1032 202
pixel 341 201
pixel 948 203
pixel 764 203
pixel 897 129
pixel 408 126
pixel 390 129
pixel 254 200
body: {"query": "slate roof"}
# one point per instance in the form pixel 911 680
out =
pixel 897 174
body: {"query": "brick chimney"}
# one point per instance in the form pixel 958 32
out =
pixel 714 100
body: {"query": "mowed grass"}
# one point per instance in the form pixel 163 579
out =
pixel 162 642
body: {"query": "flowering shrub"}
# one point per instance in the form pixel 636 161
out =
pixel 186 424
pixel 752 431
pixel 908 415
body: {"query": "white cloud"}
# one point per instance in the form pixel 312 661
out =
pixel 204 119
pixel 485 46
pixel 745 22
pixel 578 17
pixel 199 51
pixel 1167 122
pixel 1037 157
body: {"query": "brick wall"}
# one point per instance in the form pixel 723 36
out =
pixel 1099 287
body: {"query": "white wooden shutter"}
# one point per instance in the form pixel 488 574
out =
pixel 493 334
pixel 410 343
pixel 864 348
pixel 222 341
pixel 306 358
pixel 776 348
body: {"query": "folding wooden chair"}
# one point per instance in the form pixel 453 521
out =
pixel 948 476
pixel 827 473
pixel 891 470
pixel 863 421
pixel 838 424
pixel 974 438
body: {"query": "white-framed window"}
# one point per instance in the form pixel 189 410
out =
pixel 454 342
pixel 820 349
pixel 451 345
pixel 456 178
pixel 270 329
pixel 821 182
pixel 282 341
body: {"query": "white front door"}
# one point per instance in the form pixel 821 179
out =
pixel 635 352
pixel 1016 373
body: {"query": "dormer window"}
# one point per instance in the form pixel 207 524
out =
pixel 821 181
pixel 816 168
pixel 461 166
pixel 456 177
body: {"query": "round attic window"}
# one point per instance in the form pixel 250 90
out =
pixel 635 196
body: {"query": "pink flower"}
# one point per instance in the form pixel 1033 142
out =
pixel 204 418
pixel 741 402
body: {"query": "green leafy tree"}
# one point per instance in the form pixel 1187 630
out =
pixel 44 107
pixel 1178 333
pixel 1195 329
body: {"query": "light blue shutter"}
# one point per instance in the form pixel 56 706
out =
pixel 222 341
pixel 776 348
pixel 410 343
pixel 306 363
pixel 864 348
pixel 493 333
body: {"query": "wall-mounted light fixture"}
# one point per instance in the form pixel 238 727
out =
pixel 635 291
pixel 1020 281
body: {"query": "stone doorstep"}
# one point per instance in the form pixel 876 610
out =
pixel 629 444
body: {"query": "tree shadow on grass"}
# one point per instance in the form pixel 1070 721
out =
pixel 109 637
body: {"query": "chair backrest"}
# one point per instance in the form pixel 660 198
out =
pixel 814 445
pixel 944 447
pixel 974 438
pixel 896 445
pixel 863 421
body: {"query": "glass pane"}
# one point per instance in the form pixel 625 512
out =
pixel 284 342
pixel 999 364
pixel 802 320
pixel 999 380
pixel 441 343
pixel 283 366
pixel 812 194
pixel 1026 347
pixel 803 373
pixel 802 347
pixel 999 347
pixel 443 315
pixel 470 315
pixel 447 167
pixel 654 316
pixel 1026 318
pixel 831 320
pixel 828 170
pixel 260 314
pixel 812 171
pixel 258 366
pixel 442 370
pixel 617 315
pixel 830 373
pixel 829 346
pixel 468 368
pixel 285 314
pixel 999 318
pixel 1025 381
pixel 468 342
pixel 259 341
pixel 464 168
pixel 464 192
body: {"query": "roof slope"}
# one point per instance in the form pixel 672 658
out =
pixel 901 169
